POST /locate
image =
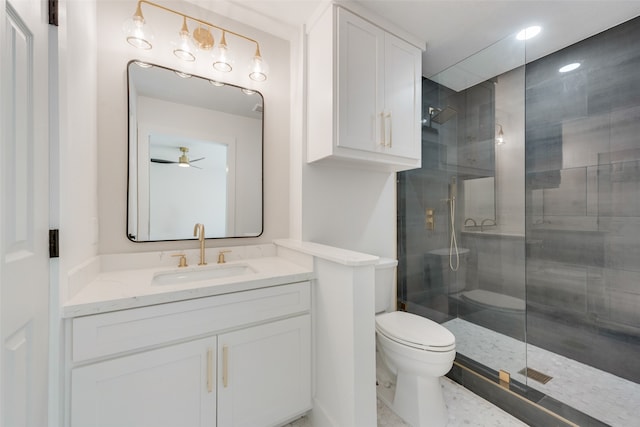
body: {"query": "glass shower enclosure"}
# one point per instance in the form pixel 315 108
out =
pixel 521 231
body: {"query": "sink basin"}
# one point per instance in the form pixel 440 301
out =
pixel 199 274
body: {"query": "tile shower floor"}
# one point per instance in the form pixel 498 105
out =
pixel 465 409
pixel 606 397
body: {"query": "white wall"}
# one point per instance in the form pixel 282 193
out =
pixel 113 53
pixel 78 198
pixel 340 206
pixel 350 208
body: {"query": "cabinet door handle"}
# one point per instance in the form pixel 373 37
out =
pixel 225 366
pixel 390 130
pixel 383 130
pixel 209 370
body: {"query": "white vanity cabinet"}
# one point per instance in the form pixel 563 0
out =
pixel 238 359
pixel 170 386
pixel 363 94
pixel 264 373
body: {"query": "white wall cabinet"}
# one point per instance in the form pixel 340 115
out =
pixel 240 359
pixel 364 94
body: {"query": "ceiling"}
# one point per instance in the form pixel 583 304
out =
pixel 456 29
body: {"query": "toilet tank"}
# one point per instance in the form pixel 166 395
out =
pixel 385 277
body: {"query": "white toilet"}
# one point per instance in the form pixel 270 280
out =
pixel 416 350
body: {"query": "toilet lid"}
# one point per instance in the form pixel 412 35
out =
pixel 415 331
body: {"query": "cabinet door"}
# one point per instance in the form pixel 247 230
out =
pixel 403 98
pixel 172 386
pixel 264 373
pixel 360 46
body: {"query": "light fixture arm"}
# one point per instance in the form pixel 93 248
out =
pixel 200 21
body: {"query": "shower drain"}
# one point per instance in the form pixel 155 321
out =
pixel 536 375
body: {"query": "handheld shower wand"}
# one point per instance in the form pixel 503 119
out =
pixel 453 243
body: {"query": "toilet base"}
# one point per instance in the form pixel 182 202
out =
pixel 419 401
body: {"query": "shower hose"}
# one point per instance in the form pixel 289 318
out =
pixel 453 243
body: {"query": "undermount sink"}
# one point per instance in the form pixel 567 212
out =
pixel 198 274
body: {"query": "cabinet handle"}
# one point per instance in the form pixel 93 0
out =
pixel 390 130
pixel 225 366
pixel 210 370
pixel 383 130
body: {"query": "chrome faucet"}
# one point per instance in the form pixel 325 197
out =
pixel 198 231
pixel 486 220
pixel 472 220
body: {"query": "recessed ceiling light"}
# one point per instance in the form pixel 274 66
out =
pixel 529 32
pixel 569 67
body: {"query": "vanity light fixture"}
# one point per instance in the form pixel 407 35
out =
pixel 137 31
pixel 221 56
pixel 500 135
pixel 183 48
pixel 258 69
pixel 139 35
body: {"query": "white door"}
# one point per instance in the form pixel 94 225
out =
pixel 167 387
pixel 264 373
pixel 24 218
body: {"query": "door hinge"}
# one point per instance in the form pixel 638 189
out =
pixel 54 246
pixel 53 12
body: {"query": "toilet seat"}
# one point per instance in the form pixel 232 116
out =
pixel 415 331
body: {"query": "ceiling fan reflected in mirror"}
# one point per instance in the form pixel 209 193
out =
pixel 183 160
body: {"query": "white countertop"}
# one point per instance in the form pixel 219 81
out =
pixel 330 253
pixel 122 289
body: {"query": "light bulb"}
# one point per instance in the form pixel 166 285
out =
pixel 258 68
pixel 137 31
pixel 222 60
pixel 183 50
pixel 500 136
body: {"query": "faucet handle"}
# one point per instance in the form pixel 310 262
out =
pixel 221 259
pixel 183 260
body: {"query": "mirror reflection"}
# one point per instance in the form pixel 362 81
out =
pixel 479 201
pixel 195 156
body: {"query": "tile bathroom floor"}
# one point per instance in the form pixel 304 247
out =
pixel 603 396
pixel 465 409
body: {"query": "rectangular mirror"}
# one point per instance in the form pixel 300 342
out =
pixel 195 156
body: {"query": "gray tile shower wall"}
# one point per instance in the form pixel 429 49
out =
pixel 583 202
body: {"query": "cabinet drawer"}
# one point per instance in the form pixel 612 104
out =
pixel 110 333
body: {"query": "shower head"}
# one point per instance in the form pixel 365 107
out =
pixel 441 115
